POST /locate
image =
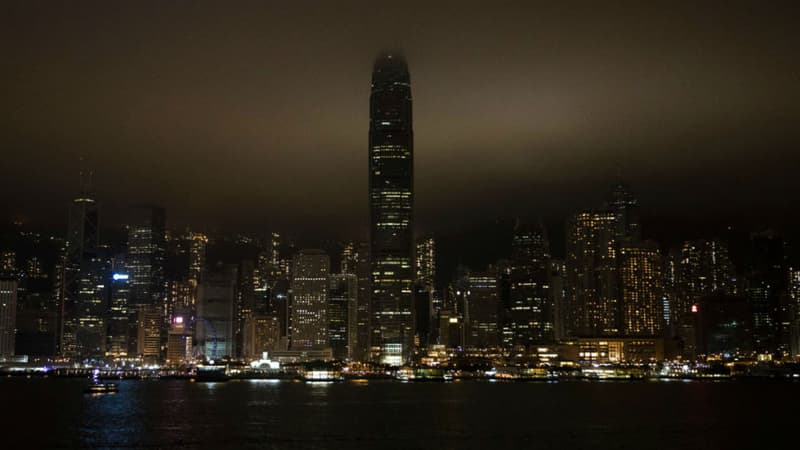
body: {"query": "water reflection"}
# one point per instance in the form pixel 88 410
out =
pixel 356 415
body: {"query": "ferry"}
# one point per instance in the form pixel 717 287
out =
pixel 211 374
pixel 317 375
pixel 421 374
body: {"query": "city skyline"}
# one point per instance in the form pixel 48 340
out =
pixel 399 225
pixel 695 118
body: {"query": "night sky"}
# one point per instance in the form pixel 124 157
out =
pixel 250 117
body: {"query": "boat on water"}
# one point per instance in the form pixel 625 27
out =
pixel 423 374
pixel 101 388
pixel 211 374
pixel 324 376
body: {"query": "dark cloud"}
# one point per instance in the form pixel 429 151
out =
pixel 255 116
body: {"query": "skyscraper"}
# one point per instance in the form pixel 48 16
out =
pixel 146 254
pixel 364 274
pixel 83 241
pixel 531 310
pixel 342 314
pixel 8 316
pixel 309 302
pixel 704 268
pixel 767 292
pixel 426 261
pixel 391 190
pixel 216 320
pixel 120 315
pixel 642 283
pixel 424 291
pixel 592 276
pixel 482 306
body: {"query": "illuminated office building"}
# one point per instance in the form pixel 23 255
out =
pixel 426 261
pixel 642 284
pixel 703 268
pixel 121 317
pixel 309 300
pixel 391 191
pixel 592 297
pixel 148 340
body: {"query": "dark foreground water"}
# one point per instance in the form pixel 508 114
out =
pixel 49 413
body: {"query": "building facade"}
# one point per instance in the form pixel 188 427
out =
pixel 309 300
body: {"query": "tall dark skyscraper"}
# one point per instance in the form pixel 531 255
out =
pixel 530 310
pixel 391 199
pixel 146 254
pixel 79 279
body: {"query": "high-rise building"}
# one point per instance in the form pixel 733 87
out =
pixel 148 340
pixel 592 276
pixel 558 297
pixel 197 254
pixel 342 314
pixel 120 315
pixel 424 291
pixel 531 312
pixel 8 316
pixel 391 191
pixel 146 255
pixel 482 307
pixel 179 342
pixel 363 273
pixel 767 293
pixel 642 284
pixel 262 333
pixel 92 312
pixel 37 313
pixel 246 298
pixel 309 300
pixel 83 241
pixel 426 261
pixel 216 319
pixel 703 268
